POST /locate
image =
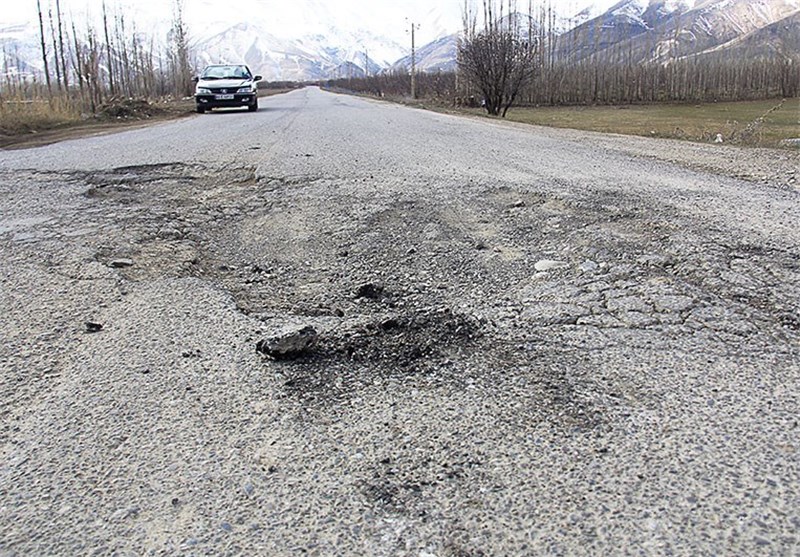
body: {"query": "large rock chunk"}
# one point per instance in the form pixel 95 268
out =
pixel 289 345
pixel 371 291
pixel 120 263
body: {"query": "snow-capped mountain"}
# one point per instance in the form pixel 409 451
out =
pixel 314 39
pixel 318 39
pixel 777 39
pixel 716 26
pixel 296 40
pixel 622 22
pixel 22 53
pixel 657 30
pixel 660 30
pixel 437 56
pixel 301 39
pixel 308 58
pixel 327 46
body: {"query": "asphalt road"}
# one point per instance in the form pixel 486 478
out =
pixel 530 341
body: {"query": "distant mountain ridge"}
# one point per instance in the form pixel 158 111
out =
pixel 309 58
pixel 661 30
pixel 633 30
pixel 658 31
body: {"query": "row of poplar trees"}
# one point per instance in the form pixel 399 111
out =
pixel 506 57
pixel 88 65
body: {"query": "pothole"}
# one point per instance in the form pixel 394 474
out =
pixel 394 346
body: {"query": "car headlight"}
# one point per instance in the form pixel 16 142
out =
pixel 245 90
pixel 203 91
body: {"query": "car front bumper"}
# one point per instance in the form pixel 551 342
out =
pixel 239 99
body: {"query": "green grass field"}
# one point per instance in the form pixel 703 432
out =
pixel 736 121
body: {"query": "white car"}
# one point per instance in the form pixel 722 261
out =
pixel 226 86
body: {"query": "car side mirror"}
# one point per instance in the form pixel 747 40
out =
pixel 257 78
pixel 195 79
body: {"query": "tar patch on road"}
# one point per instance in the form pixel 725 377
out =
pixel 396 346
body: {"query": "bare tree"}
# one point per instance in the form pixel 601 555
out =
pixel 44 49
pixel 53 37
pixel 77 62
pixel 62 54
pixel 181 67
pixel 498 57
pixel 109 57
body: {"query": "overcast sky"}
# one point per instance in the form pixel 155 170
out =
pixel 382 17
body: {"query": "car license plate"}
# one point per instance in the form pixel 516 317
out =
pixel 224 97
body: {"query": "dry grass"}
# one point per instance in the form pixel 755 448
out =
pixel 20 116
pixel 748 123
pixel 26 123
pixel 34 123
pixel 763 123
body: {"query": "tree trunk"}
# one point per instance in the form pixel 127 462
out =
pixel 44 51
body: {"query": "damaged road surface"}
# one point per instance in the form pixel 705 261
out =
pixel 344 327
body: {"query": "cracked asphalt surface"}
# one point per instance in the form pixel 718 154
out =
pixel 530 341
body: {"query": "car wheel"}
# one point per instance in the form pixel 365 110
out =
pixel 253 107
pixel 201 109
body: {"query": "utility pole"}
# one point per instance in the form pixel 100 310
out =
pixel 413 65
pixel 414 27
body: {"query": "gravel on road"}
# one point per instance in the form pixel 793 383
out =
pixel 343 327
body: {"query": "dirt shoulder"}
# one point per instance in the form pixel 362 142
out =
pixel 766 165
pixel 113 117
pixel 761 165
pixel 46 137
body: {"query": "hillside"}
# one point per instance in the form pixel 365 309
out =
pixel 779 39
pixel 438 56
pixel 638 31
pixel 624 22
pixel 331 44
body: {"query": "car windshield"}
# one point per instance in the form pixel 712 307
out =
pixel 226 72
